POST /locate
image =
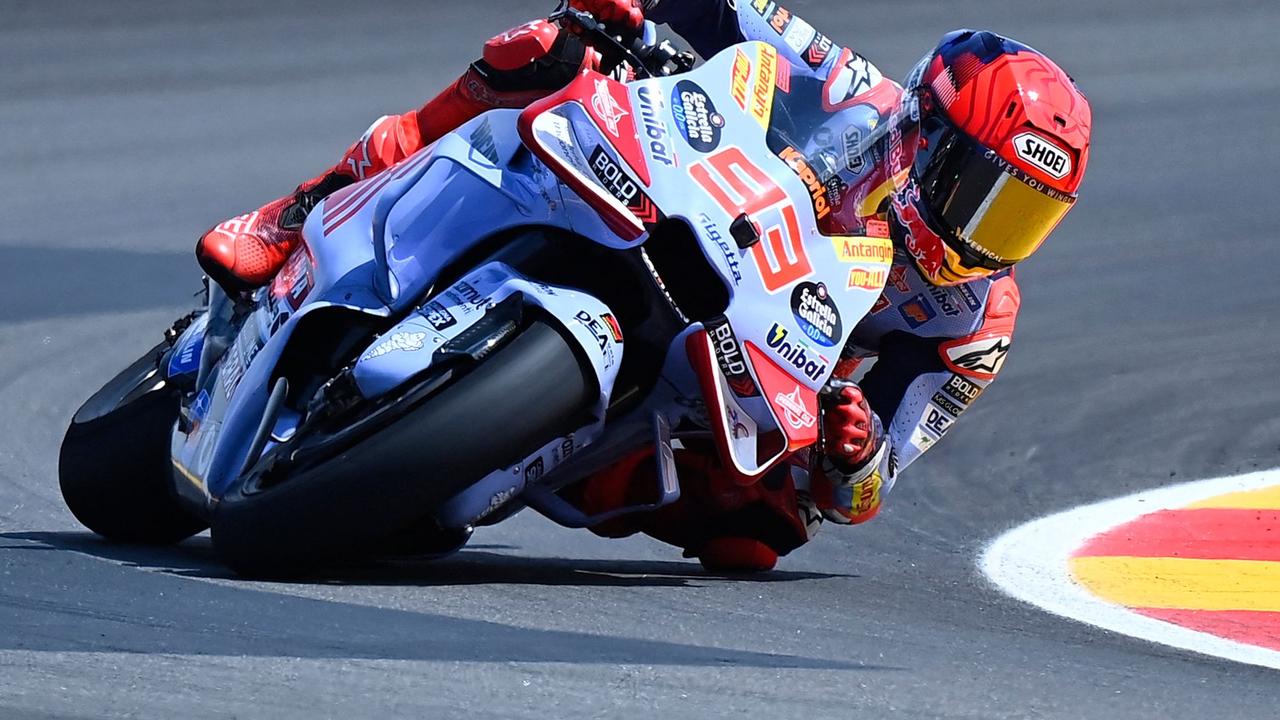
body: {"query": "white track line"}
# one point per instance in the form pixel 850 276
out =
pixel 1029 562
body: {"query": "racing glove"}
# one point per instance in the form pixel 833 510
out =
pixel 846 486
pixel 625 15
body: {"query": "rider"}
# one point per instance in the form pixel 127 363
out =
pixel 980 156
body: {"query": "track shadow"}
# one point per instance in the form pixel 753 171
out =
pixel 474 565
pixel 75 603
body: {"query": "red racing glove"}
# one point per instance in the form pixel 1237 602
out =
pixel 845 484
pixel 625 15
pixel 848 430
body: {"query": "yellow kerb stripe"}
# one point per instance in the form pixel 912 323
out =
pixel 1181 583
pixel 1267 498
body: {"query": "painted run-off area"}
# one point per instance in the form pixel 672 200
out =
pixel 1195 566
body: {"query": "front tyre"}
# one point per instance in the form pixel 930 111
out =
pixel 114 467
pixel 527 393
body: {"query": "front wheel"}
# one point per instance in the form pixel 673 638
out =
pixel 521 397
pixel 114 467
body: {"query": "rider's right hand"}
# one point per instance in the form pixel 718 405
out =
pixel 625 15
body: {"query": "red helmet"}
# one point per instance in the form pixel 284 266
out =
pixel 994 143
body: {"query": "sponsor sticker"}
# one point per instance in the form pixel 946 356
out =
pixel 943 299
pixel 1042 155
pixel 969 297
pixel 780 20
pixel 817 191
pixel 799 36
pixel 962 389
pixel 740 78
pixel 602 336
pixel 615 330
pixel 793 409
pixel 818 51
pixel 731 258
pixel 864 250
pixel 532 471
pixel 439 317
pixel 804 359
pixel 817 313
pixel 620 185
pixel 864 279
pixel 483 143
pixel 657 138
pixel 730 358
pixel 696 117
pixel 937 421
pixel 947 404
pixel 762 94
pixel 898 278
pixel 917 311
pixel 397 342
pixel 466 297
pixel 607 107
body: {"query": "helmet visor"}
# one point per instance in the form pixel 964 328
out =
pixel 989 211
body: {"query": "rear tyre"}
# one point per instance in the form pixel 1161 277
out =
pixel 114 467
pixel 524 395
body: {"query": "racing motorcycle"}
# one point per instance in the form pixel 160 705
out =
pixel 486 324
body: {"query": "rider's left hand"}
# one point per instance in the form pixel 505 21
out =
pixel 849 434
pixel 627 15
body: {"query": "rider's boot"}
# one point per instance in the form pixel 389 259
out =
pixel 520 66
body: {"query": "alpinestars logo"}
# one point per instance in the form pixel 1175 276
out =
pixel 982 358
pixel 607 108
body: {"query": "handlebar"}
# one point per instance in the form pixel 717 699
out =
pixel 646 55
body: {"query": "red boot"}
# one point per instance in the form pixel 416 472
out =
pixel 521 65
pixel 736 555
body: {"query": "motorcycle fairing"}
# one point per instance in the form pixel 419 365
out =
pixel 711 185
pixel 422 215
pixel 407 350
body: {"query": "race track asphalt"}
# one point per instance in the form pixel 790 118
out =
pixel 1147 353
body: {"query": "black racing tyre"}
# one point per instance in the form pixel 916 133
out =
pixel 521 397
pixel 114 467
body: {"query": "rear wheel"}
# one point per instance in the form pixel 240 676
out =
pixel 114 467
pixel 525 394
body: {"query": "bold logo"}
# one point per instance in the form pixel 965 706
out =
pixel 817 191
pixel 655 128
pixel 741 187
pixel 864 250
pixel 962 389
pixel 793 409
pixel 917 311
pixel 696 117
pixel 1043 155
pixel 620 185
pixel 739 78
pixel 817 313
pixel 809 363
pixel 818 51
pixel 729 355
pixel 712 233
pixel 607 107
pixel 438 316
pixel 401 341
pixel 762 95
